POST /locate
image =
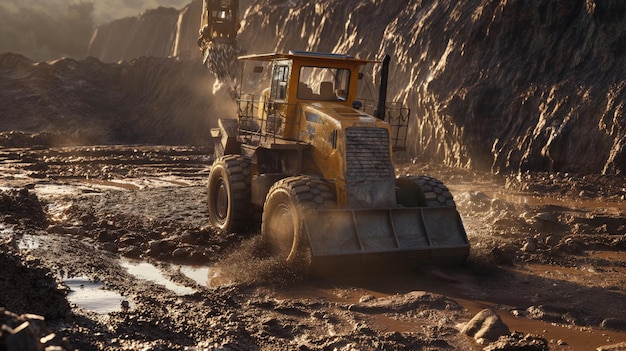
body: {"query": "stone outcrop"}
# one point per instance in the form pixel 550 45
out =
pixel 150 34
pixel 162 32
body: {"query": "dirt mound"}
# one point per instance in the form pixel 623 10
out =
pixel 27 332
pixel 86 102
pixel 28 287
pixel 21 206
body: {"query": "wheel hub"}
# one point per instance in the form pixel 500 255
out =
pixel 221 200
pixel 282 229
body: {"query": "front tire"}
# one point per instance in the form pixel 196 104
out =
pixel 229 193
pixel 286 204
pixel 423 191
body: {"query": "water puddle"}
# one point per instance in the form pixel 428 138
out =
pixel 544 201
pixel 211 277
pixel 533 200
pixel 199 274
pixel 92 296
pixel 147 271
pixel 48 190
pixel 109 184
pixel 573 337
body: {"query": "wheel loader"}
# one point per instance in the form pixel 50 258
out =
pixel 306 153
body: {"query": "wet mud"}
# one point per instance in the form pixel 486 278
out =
pixel 120 237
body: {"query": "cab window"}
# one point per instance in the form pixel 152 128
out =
pixel 323 83
pixel 280 77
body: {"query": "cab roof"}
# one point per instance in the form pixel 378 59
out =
pixel 306 55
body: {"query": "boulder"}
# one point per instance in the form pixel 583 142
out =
pixel 486 325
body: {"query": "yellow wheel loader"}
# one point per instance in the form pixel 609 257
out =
pixel 305 153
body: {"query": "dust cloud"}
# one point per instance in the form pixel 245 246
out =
pixel 252 262
pixel 45 30
pixel 109 10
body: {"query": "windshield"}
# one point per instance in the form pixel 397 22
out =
pixel 323 83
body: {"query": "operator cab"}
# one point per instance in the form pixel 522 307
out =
pixel 302 76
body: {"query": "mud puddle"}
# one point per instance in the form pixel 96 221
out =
pixel 109 184
pixel 76 185
pixel 148 271
pixel 133 183
pixel 92 296
pixel 199 274
pixel 560 336
pixel 495 191
pixel 616 256
pixel 206 276
pixel 544 201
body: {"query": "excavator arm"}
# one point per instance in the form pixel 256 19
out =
pixel 220 22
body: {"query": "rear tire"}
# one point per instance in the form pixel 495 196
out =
pixel 229 192
pixel 286 204
pixel 423 191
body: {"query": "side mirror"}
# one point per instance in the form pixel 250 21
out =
pixel 360 76
pixel 357 104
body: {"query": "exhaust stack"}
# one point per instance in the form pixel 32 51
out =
pixel 382 92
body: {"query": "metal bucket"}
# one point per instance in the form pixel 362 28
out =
pixel 419 236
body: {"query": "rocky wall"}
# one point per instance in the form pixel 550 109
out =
pixel 153 33
pixel 506 85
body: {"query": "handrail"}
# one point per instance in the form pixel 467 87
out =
pixel 397 115
pixel 267 122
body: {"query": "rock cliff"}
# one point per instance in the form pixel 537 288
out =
pixel 509 85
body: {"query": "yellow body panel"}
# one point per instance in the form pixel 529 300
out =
pixel 321 124
pixel 326 133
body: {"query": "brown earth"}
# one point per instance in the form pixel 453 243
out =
pixel 547 257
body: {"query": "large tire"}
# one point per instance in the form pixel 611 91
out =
pixel 286 204
pixel 423 191
pixel 229 194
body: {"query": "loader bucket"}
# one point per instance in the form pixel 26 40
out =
pixel 417 236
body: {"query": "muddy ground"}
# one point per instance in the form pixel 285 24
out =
pixel 111 245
